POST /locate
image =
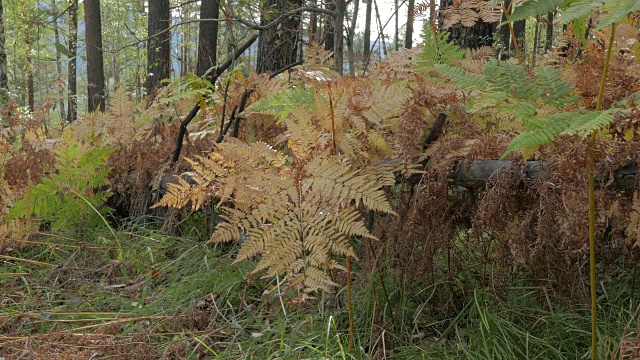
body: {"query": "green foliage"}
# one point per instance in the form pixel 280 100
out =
pixel 465 79
pixel 546 129
pixel 69 196
pixel 282 104
pixel 188 87
pixel 533 8
pixel 437 51
pixel 612 11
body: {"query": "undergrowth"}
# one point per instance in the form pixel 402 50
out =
pixel 186 300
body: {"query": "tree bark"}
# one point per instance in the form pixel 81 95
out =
pixel 278 45
pixel 396 34
pixel 4 77
pixel 408 40
pixel 504 32
pixel 519 28
pixel 549 43
pixel 367 31
pixel 338 41
pixel 313 24
pixel 328 34
pixel 30 95
pixel 350 38
pixel 95 60
pixel 208 36
pixel 72 85
pixel 159 45
pixel 480 173
pixel 56 36
pixel 380 30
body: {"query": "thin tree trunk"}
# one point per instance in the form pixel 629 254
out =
pixel 504 32
pixel 396 34
pixel 549 41
pixel 95 60
pixel 352 32
pixel 313 24
pixel 38 67
pixel 183 44
pixel 367 31
pixel 536 38
pixel 329 31
pixel 56 36
pixel 338 41
pixel 159 45
pixel 30 95
pixel 72 46
pixel 519 30
pixel 116 75
pixel 380 29
pixel 408 40
pixel 208 36
pixel 4 76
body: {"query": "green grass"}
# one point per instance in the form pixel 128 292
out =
pixel 199 300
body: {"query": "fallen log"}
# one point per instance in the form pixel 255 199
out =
pixel 482 172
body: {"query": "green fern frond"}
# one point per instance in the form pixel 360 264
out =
pixel 612 11
pixel 547 129
pixel 283 103
pixel 616 11
pixel 554 90
pixel 511 79
pixel 437 52
pixel 467 80
pixel 533 8
pixel 64 197
pixel 589 122
pixel 579 10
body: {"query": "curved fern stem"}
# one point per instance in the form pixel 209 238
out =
pixel 348 260
pixel 592 206
pixel 513 35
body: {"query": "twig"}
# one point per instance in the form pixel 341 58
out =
pixel 213 77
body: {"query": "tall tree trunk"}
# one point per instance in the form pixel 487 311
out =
pixel 504 33
pixel 350 37
pixel 367 31
pixel 95 60
pixel 549 41
pixel 380 29
pixel 408 40
pixel 183 43
pixel 4 77
pixel 396 34
pixel 56 36
pixel 208 36
pixel 278 45
pixel 159 45
pixel 519 29
pixel 329 31
pixel 536 38
pixel 72 85
pixel 30 95
pixel 338 41
pixel 313 24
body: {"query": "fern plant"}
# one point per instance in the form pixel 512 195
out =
pixel 297 208
pixel 69 196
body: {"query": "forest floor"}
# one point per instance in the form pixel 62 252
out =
pixel 78 296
